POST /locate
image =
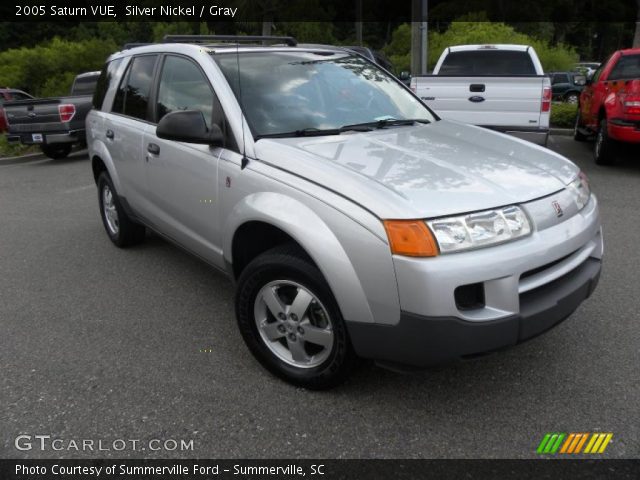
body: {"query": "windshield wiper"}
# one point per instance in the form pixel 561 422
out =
pixel 317 132
pixel 390 122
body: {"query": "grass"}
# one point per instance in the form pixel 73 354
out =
pixel 563 115
pixel 14 149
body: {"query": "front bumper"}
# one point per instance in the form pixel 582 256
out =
pixel 527 286
pixel 422 341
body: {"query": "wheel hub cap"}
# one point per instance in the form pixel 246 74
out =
pixel 109 210
pixel 293 324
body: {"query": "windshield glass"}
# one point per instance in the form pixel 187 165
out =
pixel 292 91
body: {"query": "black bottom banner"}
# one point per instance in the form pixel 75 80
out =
pixel 316 469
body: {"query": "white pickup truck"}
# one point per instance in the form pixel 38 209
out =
pixel 502 87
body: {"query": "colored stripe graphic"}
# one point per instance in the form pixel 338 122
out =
pixel 543 443
pixel 598 443
pixel 572 443
pixel 551 442
pixel 581 442
pixel 567 442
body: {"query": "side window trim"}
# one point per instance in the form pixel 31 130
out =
pixel 230 142
pixel 125 78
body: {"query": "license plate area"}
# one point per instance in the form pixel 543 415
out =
pixel 37 138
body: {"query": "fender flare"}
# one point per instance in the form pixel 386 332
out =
pixel 311 232
pixel 100 150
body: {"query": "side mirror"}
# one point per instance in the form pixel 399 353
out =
pixel 404 75
pixel 189 126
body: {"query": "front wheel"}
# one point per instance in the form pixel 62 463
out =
pixel 56 151
pixel 603 151
pixel 290 320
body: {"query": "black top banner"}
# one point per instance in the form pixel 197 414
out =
pixel 318 10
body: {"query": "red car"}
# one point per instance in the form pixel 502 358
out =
pixel 9 95
pixel 609 105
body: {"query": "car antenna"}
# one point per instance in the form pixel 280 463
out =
pixel 245 159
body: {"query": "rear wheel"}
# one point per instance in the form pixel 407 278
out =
pixel 577 134
pixel 290 320
pixel 56 151
pixel 120 228
pixel 571 97
pixel 603 151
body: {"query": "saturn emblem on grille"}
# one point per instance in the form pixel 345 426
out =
pixel 557 208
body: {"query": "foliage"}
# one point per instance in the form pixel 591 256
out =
pixel 471 31
pixel 160 29
pixel 49 68
pixel 553 58
pixel 13 149
pixel 398 51
pixel 563 115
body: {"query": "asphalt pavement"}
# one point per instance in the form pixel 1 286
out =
pixel 103 344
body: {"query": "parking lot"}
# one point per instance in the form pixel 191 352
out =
pixel 101 343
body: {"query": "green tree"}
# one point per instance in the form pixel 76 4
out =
pixel 469 30
pixel 552 57
pixel 48 69
pixel 398 50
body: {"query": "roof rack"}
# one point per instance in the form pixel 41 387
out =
pixel 127 46
pixel 290 41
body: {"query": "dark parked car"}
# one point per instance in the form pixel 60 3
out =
pixel 566 86
pixel 9 95
pixel 56 124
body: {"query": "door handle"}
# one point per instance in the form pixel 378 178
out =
pixel 476 87
pixel 153 149
pixel 110 135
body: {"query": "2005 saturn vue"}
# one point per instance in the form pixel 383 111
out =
pixel 353 221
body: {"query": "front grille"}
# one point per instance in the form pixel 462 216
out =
pixel 537 270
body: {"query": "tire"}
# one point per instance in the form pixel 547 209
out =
pixel 56 151
pixel 278 338
pixel 122 231
pixel 577 135
pixel 603 150
pixel 572 97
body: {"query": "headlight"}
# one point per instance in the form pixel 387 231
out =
pixel 480 229
pixel 580 190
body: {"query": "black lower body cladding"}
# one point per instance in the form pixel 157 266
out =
pixel 421 341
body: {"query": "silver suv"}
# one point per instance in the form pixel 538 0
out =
pixel 353 221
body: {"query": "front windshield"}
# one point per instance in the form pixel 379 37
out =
pixel 289 91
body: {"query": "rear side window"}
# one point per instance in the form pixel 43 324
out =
pixel 183 86
pixel 627 68
pixel 84 85
pixel 560 78
pixel 15 96
pixel 104 82
pixel 132 98
pixel 487 62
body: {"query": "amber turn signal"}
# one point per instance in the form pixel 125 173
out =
pixel 411 238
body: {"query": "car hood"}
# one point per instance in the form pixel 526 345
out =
pixel 423 171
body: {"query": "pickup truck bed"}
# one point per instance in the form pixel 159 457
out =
pixel 501 87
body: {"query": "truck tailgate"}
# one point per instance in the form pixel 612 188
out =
pixel 26 115
pixel 490 101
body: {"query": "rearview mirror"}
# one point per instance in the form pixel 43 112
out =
pixel 189 126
